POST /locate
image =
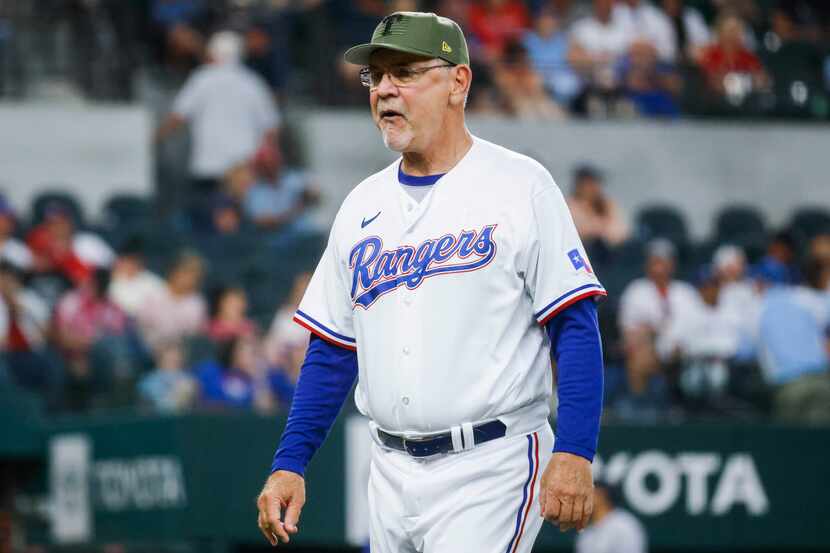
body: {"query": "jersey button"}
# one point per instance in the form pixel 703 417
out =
pixel 406 350
pixel 405 400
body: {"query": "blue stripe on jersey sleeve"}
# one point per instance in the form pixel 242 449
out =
pixel 326 377
pixel 577 348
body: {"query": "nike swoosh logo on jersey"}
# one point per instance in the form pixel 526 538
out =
pixel 366 223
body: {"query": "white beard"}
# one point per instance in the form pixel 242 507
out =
pixel 396 139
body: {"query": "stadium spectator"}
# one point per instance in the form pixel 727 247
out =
pixel 286 342
pixel 612 528
pixel 690 29
pixel 648 24
pixel 700 330
pixel 702 340
pixel 795 64
pixel 598 218
pixel 547 48
pixel 738 300
pixel 637 392
pixel 168 388
pixel 649 83
pixel 779 262
pixel 280 197
pixel 11 249
pixel 228 315
pixel 235 380
pixel 230 110
pixel 51 244
pixel 597 44
pixel 655 300
pixel 522 87
pixel 495 23
pixel 132 284
pixel 730 68
pixel 24 332
pixel 795 347
pixel 226 215
pixel 178 309
pixel 86 322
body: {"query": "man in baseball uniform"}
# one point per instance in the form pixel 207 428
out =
pixel 448 280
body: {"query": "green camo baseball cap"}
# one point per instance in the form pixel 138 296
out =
pixel 423 34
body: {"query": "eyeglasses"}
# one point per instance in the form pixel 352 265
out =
pixel 400 75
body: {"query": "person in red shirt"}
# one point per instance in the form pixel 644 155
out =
pixel 497 22
pixel 727 61
pixel 51 244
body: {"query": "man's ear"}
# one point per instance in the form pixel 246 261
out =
pixel 462 78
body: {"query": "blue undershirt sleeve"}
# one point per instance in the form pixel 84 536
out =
pixel 326 377
pixel 577 348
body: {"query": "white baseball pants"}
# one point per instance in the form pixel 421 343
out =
pixel 484 500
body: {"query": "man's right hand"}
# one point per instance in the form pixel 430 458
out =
pixel 283 493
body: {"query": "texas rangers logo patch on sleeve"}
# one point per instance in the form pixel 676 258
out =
pixel 376 271
pixel 578 261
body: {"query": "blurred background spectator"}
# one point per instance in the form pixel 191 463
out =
pixel 131 283
pixel 228 315
pixel 230 111
pixel 598 219
pixel 547 47
pixel 178 309
pixel 168 388
pixel 612 527
pixel 732 71
pixel 795 346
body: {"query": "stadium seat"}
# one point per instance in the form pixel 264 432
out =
pixel 743 226
pixel 43 200
pixel 126 210
pixel 735 221
pixel 662 221
pixel 808 222
pixel 626 263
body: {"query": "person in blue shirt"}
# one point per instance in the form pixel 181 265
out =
pixel 795 347
pixel 547 47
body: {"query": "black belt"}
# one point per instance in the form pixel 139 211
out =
pixel 441 443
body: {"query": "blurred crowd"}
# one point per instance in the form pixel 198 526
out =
pixel 535 59
pixel 86 321
pixel 146 314
pixel 737 325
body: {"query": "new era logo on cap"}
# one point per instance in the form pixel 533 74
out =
pixel 446 47
pixel 578 261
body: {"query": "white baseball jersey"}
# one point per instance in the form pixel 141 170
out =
pixel 445 299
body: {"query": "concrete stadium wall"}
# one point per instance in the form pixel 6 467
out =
pixel 91 151
pixel 697 167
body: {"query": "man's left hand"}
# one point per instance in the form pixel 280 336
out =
pixel 567 491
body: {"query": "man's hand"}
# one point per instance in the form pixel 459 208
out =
pixel 567 491
pixel 284 491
